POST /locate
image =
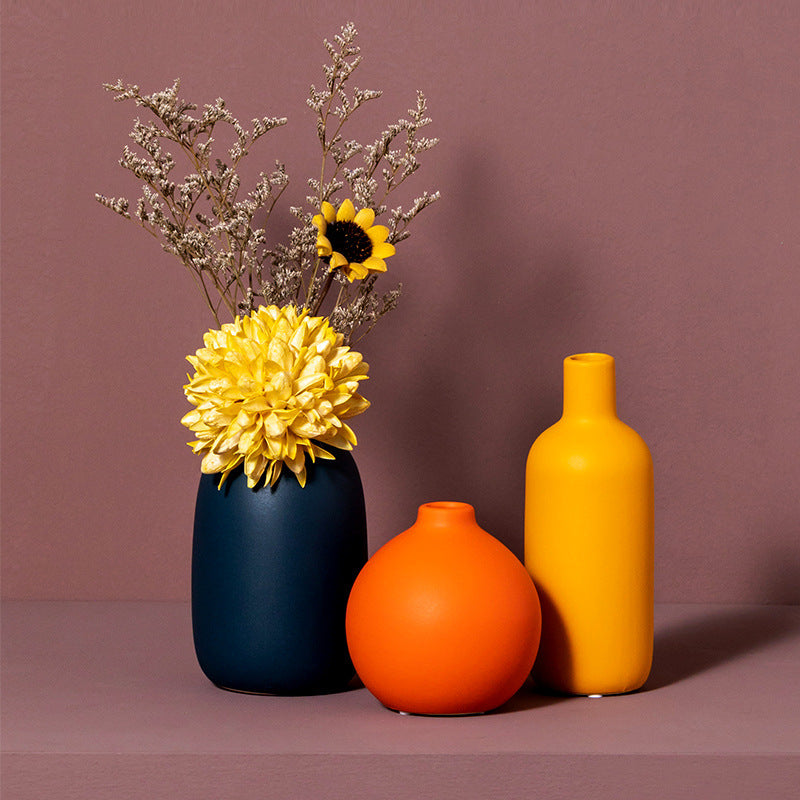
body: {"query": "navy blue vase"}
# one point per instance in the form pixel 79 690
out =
pixel 272 570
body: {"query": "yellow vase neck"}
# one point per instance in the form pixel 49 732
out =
pixel 589 386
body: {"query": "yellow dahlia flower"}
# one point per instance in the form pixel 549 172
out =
pixel 268 389
pixel 349 241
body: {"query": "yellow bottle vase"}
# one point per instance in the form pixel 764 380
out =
pixel 589 539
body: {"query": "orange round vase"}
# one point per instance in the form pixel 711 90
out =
pixel 443 619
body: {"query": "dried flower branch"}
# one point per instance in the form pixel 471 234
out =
pixel 212 230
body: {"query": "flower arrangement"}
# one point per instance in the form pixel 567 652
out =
pixel 268 388
pixel 275 384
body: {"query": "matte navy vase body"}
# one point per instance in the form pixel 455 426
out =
pixel 272 570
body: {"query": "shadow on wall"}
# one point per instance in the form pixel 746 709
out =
pixel 487 378
pixel 780 573
pixel 725 634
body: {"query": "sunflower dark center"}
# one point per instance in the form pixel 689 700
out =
pixel 350 240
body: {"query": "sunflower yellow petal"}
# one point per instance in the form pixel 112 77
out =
pixel 364 218
pixel 359 271
pixel 328 211
pixel 375 264
pixel 346 212
pixel 337 260
pixel 383 250
pixel 323 246
pixel 377 233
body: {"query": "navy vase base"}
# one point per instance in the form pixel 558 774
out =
pixel 307 692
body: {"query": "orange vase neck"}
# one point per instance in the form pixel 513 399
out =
pixel 445 515
pixel 589 386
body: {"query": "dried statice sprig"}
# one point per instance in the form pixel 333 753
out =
pixel 385 165
pixel 364 310
pixel 204 221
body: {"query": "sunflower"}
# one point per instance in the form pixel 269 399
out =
pixel 268 390
pixel 349 241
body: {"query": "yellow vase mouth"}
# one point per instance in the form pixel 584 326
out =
pixel 595 357
pixel 589 385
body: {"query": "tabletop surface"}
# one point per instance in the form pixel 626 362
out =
pixel 121 677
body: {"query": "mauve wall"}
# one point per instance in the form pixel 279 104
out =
pixel 620 177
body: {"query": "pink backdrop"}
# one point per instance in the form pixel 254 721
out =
pixel 613 179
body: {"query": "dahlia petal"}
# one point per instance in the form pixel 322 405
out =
pixel 346 360
pixel 350 385
pixel 306 382
pixel 247 441
pixel 279 353
pixel 211 463
pixel 339 439
pixel 254 466
pixel 297 463
pixel 244 419
pixel 320 452
pixel 305 427
pixel 297 341
pixel 323 348
pixel 274 426
pixel 256 403
pixel 229 443
pixel 360 372
pixel 304 398
pixel 283 328
pixel 191 419
pixel 315 366
pixel 217 419
pixel 346 212
pixel 357 405
pixel 280 389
